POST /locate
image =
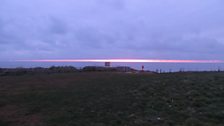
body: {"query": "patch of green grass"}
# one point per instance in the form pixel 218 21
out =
pixel 4 123
pixel 113 99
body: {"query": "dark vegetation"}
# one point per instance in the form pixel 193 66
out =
pixel 62 69
pixel 112 99
pixel 108 69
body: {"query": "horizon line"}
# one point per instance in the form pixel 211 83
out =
pixel 120 61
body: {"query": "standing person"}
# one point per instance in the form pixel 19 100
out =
pixel 143 68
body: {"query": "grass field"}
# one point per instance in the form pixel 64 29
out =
pixel 112 99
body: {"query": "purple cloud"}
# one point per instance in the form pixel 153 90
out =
pixel 188 29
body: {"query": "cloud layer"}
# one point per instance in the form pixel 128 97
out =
pixel 162 29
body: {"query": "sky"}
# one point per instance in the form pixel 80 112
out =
pixel 78 29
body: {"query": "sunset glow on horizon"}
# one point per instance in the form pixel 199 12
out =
pixel 122 61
